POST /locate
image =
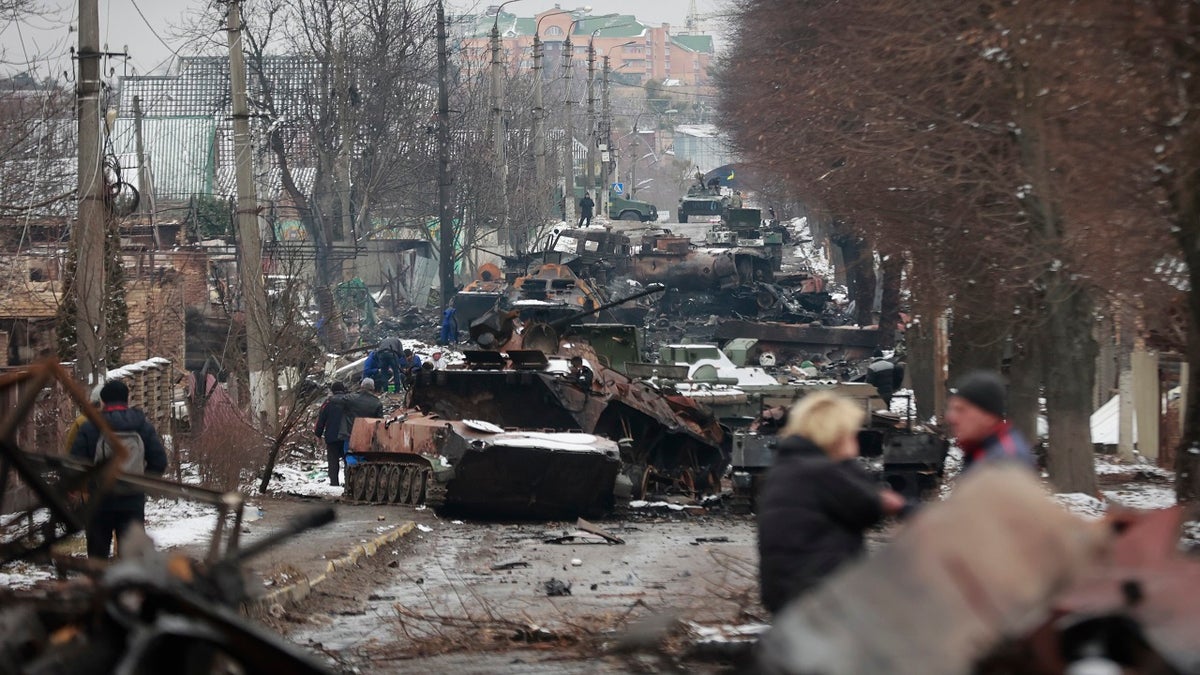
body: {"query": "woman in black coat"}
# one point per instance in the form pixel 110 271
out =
pixel 817 501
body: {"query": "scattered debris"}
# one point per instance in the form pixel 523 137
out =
pixel 593 529
pixel 424 528
pixel 555 588
pixel 710 540
pixel 576 562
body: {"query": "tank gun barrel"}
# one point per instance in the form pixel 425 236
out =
pixel 568 320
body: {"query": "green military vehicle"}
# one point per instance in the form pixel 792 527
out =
pixel 620 208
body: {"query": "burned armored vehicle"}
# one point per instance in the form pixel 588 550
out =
pixel 525 380
pixel 473 466
pixel 549 291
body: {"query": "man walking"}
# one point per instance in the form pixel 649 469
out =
pixel 388 355
pixel 362 403
pixel 329 429
pixel 976 415
pixel 586 205
pixel 123 506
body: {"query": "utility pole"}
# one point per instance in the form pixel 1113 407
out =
pixel 446 224
pixel 346 131
pixel 539 119
pixel 254 296
pixel 498 136
pixel 591 123
pixel 145 190
pixel 568 136
pixel 87 236
pixel 606 134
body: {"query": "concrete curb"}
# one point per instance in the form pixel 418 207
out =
pixel 300 589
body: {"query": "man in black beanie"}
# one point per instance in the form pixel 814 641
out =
pixel 976 415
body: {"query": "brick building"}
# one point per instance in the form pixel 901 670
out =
pixel 654 52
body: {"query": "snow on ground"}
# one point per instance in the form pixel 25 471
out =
pixel 173 523
pixel 305 478
pixel 1112 466
pixel 24 575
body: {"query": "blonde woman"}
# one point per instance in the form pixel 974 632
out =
pixel 817 501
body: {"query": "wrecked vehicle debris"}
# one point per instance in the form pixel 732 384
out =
pixel 148 611
pixel 475 466
pixel 524 381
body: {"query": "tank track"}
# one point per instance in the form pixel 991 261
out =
pixel 408 483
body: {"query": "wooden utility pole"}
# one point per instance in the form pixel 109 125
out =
pixel 254 295
pixel 87 237
pixel 445 214
pixel 498 138
pixel 569 135
pixel 145 189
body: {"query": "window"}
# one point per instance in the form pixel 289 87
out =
pixel 554 31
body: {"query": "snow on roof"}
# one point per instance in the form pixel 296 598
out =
pixel 698 130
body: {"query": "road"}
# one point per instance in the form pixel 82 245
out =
pixel 472 596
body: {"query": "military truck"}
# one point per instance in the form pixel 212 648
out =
pixel 620 208
pixel 707 204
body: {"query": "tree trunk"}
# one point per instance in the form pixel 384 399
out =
pixel 1069 359
pixel 977 337
pixel 921 364
pixel 889 304
pixel 1025 387
pixel 860 275
pixel 1187 454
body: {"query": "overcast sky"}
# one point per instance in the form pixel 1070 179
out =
pixel 45 41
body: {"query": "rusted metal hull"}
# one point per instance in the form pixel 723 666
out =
pixel 666 437
pixel 476 468
pixel 789 341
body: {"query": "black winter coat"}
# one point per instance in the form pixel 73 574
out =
pixel 329 421
pixel 123 419
pixel 359 404
pixel 812 513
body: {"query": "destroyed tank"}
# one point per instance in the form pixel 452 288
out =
pixel 668 443
pixel 473 466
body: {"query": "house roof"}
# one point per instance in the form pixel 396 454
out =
pixel 695 43
pixel 201 87
pixel 620 26
pixel 180 152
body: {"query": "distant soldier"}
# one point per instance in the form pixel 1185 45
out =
pixel 735 202
pixel 449 334
pixel 586 206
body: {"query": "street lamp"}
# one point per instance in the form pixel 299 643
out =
pixel 498 132
pixel 569 163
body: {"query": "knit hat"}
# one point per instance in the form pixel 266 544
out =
pixel 983 389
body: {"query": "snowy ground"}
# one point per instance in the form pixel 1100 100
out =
pixel 303 478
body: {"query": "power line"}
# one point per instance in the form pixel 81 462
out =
pixel 174 52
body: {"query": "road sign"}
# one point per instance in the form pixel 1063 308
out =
pixel 618 187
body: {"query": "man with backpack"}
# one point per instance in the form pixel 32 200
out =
pixel 122 506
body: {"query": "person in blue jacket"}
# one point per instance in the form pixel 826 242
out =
pixel 449 327
pixel 373 367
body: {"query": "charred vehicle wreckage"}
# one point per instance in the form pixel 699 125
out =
pixel 517 431
pixel 148 612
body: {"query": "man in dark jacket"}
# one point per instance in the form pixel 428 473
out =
pixel 976 414
pixel 329 429
pixel 362 403
pixel 816 502
pixel 389 355
pixel 586 206
pixel 123 506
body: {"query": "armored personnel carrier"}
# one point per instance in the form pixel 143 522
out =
pixel 473 466
pixel 524 379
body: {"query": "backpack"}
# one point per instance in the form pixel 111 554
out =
pixel 135 463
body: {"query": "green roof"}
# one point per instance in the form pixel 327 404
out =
pixel 620 26
pixel 180 152
pixel 695 43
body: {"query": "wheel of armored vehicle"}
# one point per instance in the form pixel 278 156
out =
pixel 393 485
pixel 358 485
pixel 371 477
pixel 422 486
pixel 406 484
